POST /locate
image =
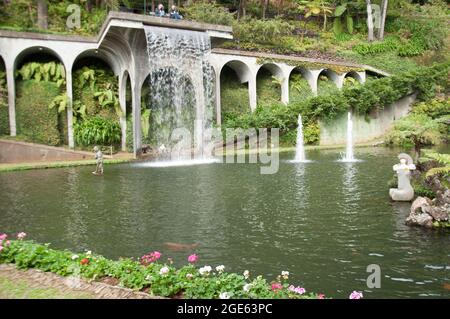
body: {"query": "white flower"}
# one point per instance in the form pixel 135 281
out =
pixel 224 295
pixel 164 271
pixel 189 276
pixel 205 270
pixel 75 257
pixel 89 253
pixel 149 278
pixel 220 268
pixel 285 274
pixel 247 287
pixel 246 274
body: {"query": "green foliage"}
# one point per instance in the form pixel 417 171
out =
pixel 435 108
pixel 204 11
pixel 4 113
pixel 21 15
pixel 97 131
pixel 34 118
pixel 261 31
pixel 413 130
pixel 47 72
pixel 96 93
pixel 418 35
pixel 186 281
pixel 299 89
pixel 234 98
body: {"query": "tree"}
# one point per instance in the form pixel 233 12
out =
pixel 242 8
pixel 264 5
pixel 42 11
pixel 369 21
pixel 384 4
pixel 316 7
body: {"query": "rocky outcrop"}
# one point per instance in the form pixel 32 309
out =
pixel 426 212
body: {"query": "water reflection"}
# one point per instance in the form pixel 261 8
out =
pixel 324 222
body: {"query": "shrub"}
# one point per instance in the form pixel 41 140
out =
pixel 415 130
pixel 261 31
pixel 207 12
pixel 156 278
pixel 97 131
pixel 34 119
pixel 362 99
pixel 4 113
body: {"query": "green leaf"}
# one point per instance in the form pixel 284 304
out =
pixel 340 10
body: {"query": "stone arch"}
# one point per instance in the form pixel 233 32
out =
pixel 53 128
pixel 301 84
pixel 234 77
pixel 267 88
pixel 327 80
pixel 36 50
pixel 355 75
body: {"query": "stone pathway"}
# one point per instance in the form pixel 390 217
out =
pixel 33 283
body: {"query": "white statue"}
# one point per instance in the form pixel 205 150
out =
pixel 404 190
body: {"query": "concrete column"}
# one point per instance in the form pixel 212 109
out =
pixel 362 76
pixel 313 79
pixel 11 99
pixel 285 90
pixel 339 80
pixel 218 97
pixel 284 77
pixel 69 93
pixel 123 108
pixel 252 92
pixel 136 101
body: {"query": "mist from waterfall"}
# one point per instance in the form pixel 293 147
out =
pixel 181 93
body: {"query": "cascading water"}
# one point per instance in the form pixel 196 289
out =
pixel 348 156
pixel 181 92
pixel 300 149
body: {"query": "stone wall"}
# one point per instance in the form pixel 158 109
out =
pixel 365 129
pixel 20 152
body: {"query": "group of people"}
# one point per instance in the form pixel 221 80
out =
pixel 173 13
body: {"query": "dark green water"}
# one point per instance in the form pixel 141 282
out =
pixel 325 222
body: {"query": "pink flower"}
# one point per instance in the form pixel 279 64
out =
pixel 356 295
pixel 193 258
pixel 1 248
pixel 3 237
pixel 297 290
pixel 21 235
pixel 150 258
pixel 321 296
pixel 276 286
pixel 7 243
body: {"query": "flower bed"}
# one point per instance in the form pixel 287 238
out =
pixel 149 273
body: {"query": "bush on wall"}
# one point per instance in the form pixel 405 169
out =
pixel 376 94
pixel 33 117
pixel 4 115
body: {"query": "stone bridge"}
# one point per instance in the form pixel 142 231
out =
pixel 121 43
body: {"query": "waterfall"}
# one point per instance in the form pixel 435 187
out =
pixel 180 92
pixel 348 156
pixel 300 149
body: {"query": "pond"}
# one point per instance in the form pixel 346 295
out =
pixel 324 221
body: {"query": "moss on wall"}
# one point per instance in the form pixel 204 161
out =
pixel 268 89
pixel 234 98
pixel 4 115
pixel 34 119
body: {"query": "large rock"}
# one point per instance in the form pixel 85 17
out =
pixel 418 215
pixel 424 211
